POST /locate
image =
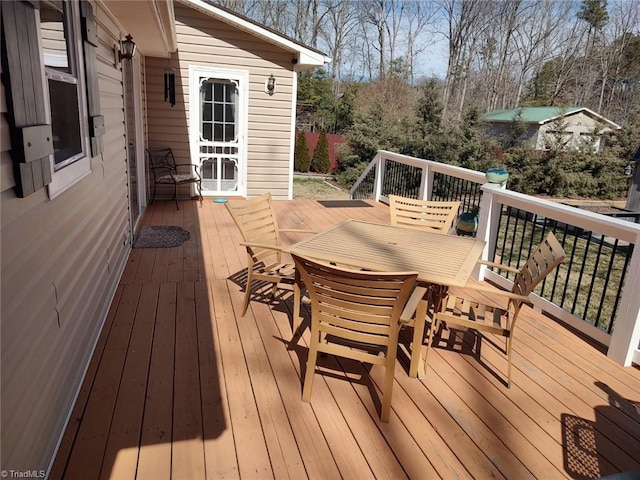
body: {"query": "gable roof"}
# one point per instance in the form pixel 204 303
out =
pixel 304 57
pixel 542 115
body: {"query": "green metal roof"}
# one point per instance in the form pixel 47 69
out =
pixel 529 114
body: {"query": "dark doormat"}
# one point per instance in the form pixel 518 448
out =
pixel 343 203
pixel 160 237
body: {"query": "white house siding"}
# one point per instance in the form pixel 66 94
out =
pixel 61 261
pixel 574 126
pixel 205 41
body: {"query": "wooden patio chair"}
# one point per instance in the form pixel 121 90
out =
pixel 166 171
pixel 355 314
pixel 458 309
pixel 431 215
pixel 257 223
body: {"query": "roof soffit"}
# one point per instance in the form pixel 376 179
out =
pixel 151 23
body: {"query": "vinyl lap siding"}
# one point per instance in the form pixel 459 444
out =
pixel 61 261
pixel 207 42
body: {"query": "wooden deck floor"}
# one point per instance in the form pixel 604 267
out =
pixel 182 387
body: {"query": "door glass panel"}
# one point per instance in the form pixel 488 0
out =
pixel 206 112
pixel 207 131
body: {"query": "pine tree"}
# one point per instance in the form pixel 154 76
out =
pixel 301 158
pixel 321 162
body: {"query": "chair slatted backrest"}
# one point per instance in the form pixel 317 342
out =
pixel 431 215
pixel 357 306
pixel 257 223
pixel 547 256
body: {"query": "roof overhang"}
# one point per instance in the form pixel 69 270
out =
pixel 303 57
pixel 151 23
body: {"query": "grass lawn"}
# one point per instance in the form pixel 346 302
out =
pixel 318 188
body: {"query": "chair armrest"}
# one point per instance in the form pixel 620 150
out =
pixel 496 291
pixel 263 245
pixel 499 266
pixel 296 230
pixel 190 165
pixel 412 304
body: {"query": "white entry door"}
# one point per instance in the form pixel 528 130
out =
pixel 217 128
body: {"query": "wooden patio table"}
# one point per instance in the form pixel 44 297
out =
pixel 445 260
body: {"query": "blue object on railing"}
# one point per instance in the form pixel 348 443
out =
pixel 497 175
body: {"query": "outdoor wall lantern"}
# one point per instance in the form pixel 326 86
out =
pixel 128 48
pixel 628 170
pixel 271 85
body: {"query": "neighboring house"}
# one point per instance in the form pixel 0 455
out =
pixel 544 127
pixel 75 120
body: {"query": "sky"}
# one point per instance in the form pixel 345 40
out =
pixel 433 61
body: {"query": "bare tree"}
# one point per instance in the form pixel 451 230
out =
pixel 339 30
pixel 595 14
pixel 540 29
pixel 419 16
pixel 501 53
pixel 625 21
pixel 508 15
pixel 466 22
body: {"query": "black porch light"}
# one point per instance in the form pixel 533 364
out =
pixel 128 48
pixel 271 84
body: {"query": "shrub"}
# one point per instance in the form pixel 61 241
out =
pixel 348 177
pixel 320 162
pixel 301 158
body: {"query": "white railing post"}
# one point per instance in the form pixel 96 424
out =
pixel 377 186
pixel 625 338
pixel 488 221
pixel 426 182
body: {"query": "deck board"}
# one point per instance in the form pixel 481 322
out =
pixel 181 386
pixel 119 460
pixel 154 459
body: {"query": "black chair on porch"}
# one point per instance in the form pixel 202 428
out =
pixel 166 171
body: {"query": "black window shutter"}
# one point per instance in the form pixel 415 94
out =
pixel 90 44
pixel 23 75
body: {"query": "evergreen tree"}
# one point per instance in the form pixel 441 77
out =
pixel 316 88
pixel 301 157
pixel 321 163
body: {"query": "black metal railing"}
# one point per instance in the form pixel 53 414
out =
pixel 447 189
pixel 588 284
pixel 401 179
pixel 365 188
pixel 405 180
